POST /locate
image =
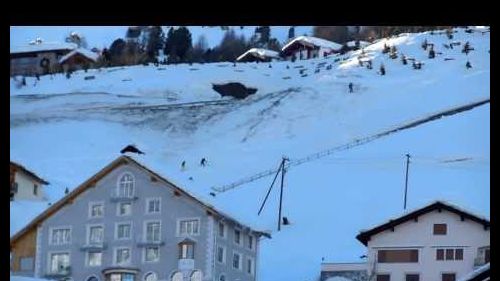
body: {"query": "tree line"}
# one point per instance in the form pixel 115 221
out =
pixel 178 47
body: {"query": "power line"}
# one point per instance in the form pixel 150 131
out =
pixel 354 143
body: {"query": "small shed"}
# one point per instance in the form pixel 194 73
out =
pixel 258 54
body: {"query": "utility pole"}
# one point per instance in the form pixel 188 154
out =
pixel 283 170
pixel 406 182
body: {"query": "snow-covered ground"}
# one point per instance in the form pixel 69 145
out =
pixel 68 129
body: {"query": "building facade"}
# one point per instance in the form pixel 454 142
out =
pixel 439 242
pixel 129 224
pixel 25 185
pixel 307 47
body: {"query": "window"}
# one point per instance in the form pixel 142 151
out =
pixel 440 229
pixel 123 231
pixel 189 227
pixel 151 276
pixel 35 189
pixel 237 236
pixel 60 236
pixel 96 210
pixel 153 231
pixel 448 277
pixel 459 254
pixel 121 277
pixel 222 230
pixel 186 250
pixel 94 258
pixel 122 256
pixel 95 234
pixel 487 255
pixel 237 261
pixel 383 277
pixel 449 254
pixel 152 254
pixel 177 276
pixel 222 277
pixel 250 242
pixel 250 266
pixel 439 254
pixel 126 185
pixel 92 278
pixel 221 254
pixel 153 206
pixel 26 263
pixel 412 277
pixel 124 209
pixel 14 187
pixel 397 256
pixel 59 262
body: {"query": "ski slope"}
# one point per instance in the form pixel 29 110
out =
pixel 68 129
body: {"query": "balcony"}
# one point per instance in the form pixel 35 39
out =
pixel 185 264
pixel 93 246
pixel 148 242
pixel 479 261
pixel 61 273
pixel 117 197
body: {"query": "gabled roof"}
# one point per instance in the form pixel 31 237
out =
pixel 364 236
pixel 102 173
pixel 84 52
pixel 262 53
pixel 28 172
pixel 314 41
pixel 43 47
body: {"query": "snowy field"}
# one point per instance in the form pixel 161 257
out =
pixel 66 130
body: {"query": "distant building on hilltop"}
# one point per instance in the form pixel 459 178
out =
pixel 25 184
pixel 127 223
pixel 78 59
pixel 258 54
pixel 38 57
pixel 439 242
pixel 306 47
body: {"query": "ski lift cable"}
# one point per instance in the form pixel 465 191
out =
pixel 352 144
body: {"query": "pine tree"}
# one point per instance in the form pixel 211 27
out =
pixel 155 42
pixel 291 32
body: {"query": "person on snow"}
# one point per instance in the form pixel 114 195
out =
pixel 203 162
pixel 183 165
pixel 351 87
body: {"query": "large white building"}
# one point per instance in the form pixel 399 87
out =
pixel 439 242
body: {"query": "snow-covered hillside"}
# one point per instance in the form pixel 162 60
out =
pixel 68 129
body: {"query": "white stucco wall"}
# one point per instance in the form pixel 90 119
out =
pixel 466 234
pixel 25 188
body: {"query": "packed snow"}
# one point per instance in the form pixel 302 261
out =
pixel 68 129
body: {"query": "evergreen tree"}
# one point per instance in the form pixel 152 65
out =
pixel 116 50
pixel 291 32
pixel 184 42
pixel 339 34
pixel 155 42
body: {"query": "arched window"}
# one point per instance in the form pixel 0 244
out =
pixel 177 276
pixel 196 276
pixel 151 276
pixel 126 185
pixel 92 278
pixel 222 277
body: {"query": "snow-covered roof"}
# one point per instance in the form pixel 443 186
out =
pixel 361 43
pixel 43 47
pixel 475 272
pixel 315 41
pixel 260 52
pixel 84 52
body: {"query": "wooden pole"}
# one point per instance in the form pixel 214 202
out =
pixel 281 192
pixel 406 181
